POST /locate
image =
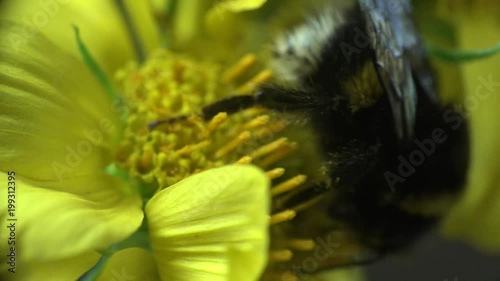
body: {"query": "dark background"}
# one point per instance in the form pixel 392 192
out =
pixel 437 259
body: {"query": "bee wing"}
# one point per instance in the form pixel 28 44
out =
pixel 394 39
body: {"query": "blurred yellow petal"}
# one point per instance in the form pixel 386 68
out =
pixel 100 23
pixel 161 6
pixel 212 225
pixel 130 264
pixel 53 225
pixel 238 5
pixel 190 16
pixel 58 270
pixel 477 216
pixel 187 21
pixel 56 121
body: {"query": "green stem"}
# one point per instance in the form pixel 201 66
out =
pixel 94 272
pixel 138 239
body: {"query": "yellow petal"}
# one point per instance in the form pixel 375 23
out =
pixel 187 21
pixel 130 264
pixel 238 5
pixel 58 270
pixel 55 119
pixel 212 226
pixel 101 26
pixel 220 20
pixel 477 216
pixel 51 224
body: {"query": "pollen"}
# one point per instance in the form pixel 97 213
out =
pixel 174 86
pixel 171 86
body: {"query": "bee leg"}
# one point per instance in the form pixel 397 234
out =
pixel 268 97
pixel 350 164
pixel 229 105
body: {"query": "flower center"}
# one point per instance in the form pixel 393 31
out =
pixel 170 85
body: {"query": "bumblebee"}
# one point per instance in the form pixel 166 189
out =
pixel 393 154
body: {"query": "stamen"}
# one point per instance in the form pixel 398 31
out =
pixel 242 66
pixel 170 85
pixel 282 217
pixel 301 244
pixel 253 112
pixel 233 144
pixel 257 122
pixel 272 129
pixel 288 276
pixel 288 185
pixel 280 255
pixel 216 121
pixel 146 159
pixel 255 82
pixel 308 203
pixel 268 148
pixel 279 154
pixel 244 160
pixel 188 149
pixel 275 173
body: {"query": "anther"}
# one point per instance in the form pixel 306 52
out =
pixel 288 185
pixel 280 255
pixel 279 154
pixel 286 215
pixel 275 173
pixel 216 121
pixel 256 122
pixel 301 244
pixel 233 144
pixel 259 79
pixel 268 148
pixel 244 160
pixel 242 66
pixel 307 204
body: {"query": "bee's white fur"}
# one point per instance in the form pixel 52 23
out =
pixel 297 53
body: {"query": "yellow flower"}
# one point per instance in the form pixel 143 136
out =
pixel 53 18
pixel 181 213
pixel 59 132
